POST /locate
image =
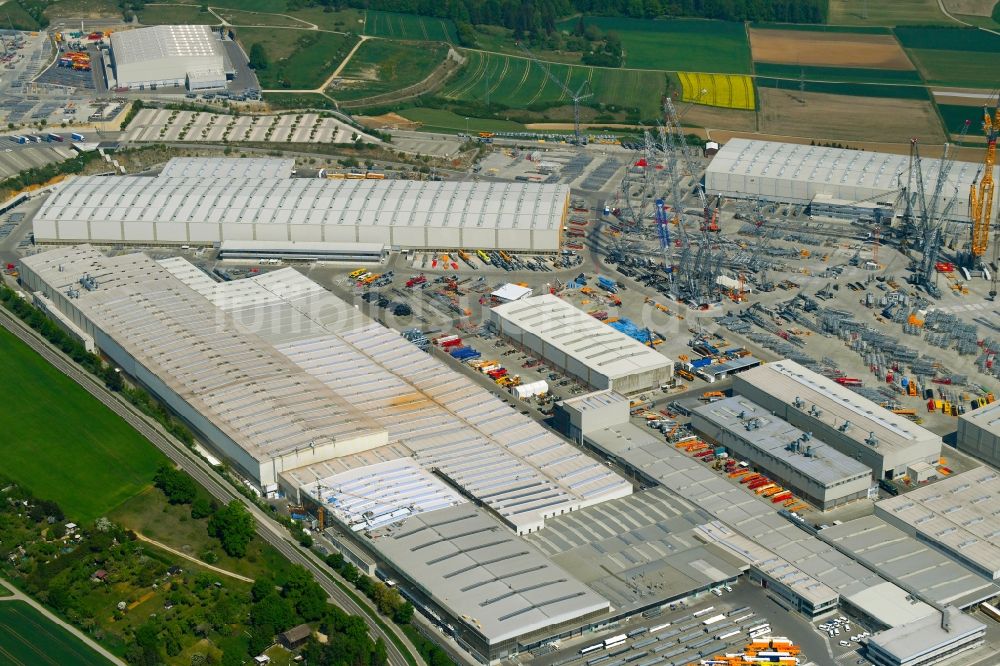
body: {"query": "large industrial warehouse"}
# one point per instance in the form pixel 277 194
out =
pixel 885 442
pixel 203 204
pixel 800 462
pixel 172 56
pixel 570 339
pixel 840 182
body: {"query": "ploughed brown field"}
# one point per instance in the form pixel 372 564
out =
pixel 829 49
pixel 847 118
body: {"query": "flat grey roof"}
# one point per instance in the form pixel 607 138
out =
pixel 578 335
pixel 499 584
pixel 165 42
pixel 914 638
pixel 811 568
pixel 787 380
pixel 936 578
pixel 959 512
pixel 824 464
pixel 636 549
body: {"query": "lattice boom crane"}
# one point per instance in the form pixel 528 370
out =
pixel 981 198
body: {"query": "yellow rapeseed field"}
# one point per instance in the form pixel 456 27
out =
pixel 729 91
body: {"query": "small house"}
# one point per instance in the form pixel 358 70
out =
pixel 295 637
pixel 101 575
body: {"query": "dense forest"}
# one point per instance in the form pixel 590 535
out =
pixel 534 16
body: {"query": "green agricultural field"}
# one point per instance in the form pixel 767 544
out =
pixel 812 27
pixel 237 17
pixel 63 444
pixel 446 121
pixel 949 39
pixel 383 65
pixel 81 9
pixel 409 26
pixel 517 83
pixel 277 6
pixel 298 59
pixel 853 89
pixel 344 20
pixel 28 638
pixel 954 117
pixel 844 74
pixel 886 12
pixel 957 68
pixel 175 15
pixel 691 45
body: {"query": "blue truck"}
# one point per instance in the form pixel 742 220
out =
pixel 607 284
pixel 76 136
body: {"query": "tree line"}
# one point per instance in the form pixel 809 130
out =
pixel 536 17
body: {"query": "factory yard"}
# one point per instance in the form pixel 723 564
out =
pixel 833 49
pixel 639 400
pixel 843 117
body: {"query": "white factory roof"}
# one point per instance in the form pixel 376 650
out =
pixel 959 512
pixel 236 167
pixel 835 168
pixel 378 495
pixel 788 380
pixel 224 199
pixel 165 42
pixel 590 341
pixel 511 292
pixel 442 419
pixel 255 395
pixel 824 464
pixel 986 418
pixel 498 583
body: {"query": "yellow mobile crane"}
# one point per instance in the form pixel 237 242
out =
pixel 981 200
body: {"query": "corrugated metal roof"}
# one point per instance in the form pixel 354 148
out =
pixel 310 201
pixel 593 343
pixel 448 423
pixel 263 402
pixel 496 582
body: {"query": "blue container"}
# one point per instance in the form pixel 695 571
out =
pixel 701 362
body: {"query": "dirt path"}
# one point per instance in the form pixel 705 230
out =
pixel 179 553
pixel 322 88
pixel 17 595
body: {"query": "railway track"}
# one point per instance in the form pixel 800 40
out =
pixel 270 531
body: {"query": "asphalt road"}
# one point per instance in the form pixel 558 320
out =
pixel 270 531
